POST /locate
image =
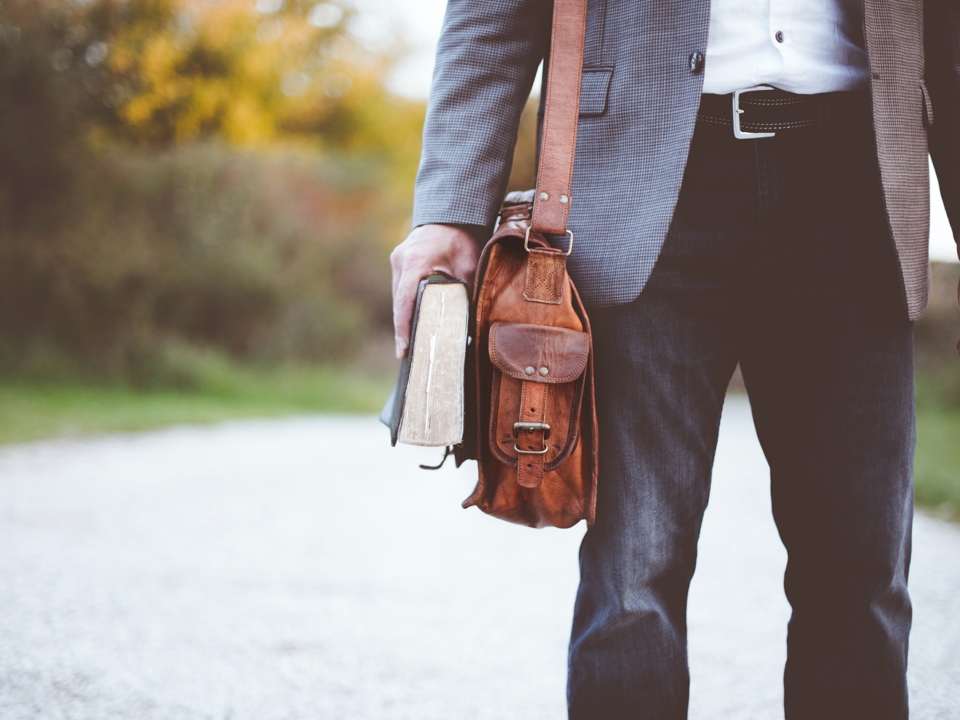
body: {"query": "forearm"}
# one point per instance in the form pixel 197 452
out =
pixel 487 58
pixel 942 76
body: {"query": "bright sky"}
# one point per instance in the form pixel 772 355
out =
pixel 420 22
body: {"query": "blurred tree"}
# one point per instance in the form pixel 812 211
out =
pixel 246 73
pixel 41 99
pixel 130 219
pixel 157 73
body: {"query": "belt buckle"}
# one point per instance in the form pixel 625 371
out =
pixel 737 112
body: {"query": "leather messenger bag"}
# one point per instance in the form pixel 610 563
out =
pixel 531 417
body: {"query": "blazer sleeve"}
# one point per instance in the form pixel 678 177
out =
pixel 942 76
pixel 487 59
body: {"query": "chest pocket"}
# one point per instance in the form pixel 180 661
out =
pixel 594 91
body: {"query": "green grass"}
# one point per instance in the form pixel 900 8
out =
pixel 937 466
pixel 216 389
pixel 32 410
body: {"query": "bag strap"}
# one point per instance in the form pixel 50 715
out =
pixel 559 145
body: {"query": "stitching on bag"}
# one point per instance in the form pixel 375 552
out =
pixel 573 430
pixel 495 359
pixel 565 209
pixel 494 427
pixel 535 461
pixel 583 31
pixel 484 286
pixel 543 275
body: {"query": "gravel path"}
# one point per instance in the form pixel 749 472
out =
pixel 304 569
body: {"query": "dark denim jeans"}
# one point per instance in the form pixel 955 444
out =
pixel 779 257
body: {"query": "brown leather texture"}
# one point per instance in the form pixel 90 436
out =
pixel 507 408
pixel 545 273
pixel 537 353
pixel 533 416
pixel 561 112
pixel 532 441
pixel 536 431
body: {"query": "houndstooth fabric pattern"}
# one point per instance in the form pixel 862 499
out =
pixel 638 110
pixel 487 58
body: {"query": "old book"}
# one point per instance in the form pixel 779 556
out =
pixel 426 407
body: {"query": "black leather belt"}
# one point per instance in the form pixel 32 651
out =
pixel 763 111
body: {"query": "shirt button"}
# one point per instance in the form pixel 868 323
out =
pixel 779 36
pixel 696 62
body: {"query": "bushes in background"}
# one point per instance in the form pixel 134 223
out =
pixel 174 174
pixel 935 341
pixel 264 255
pixel 938 330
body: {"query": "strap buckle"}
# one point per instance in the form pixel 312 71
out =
pixel 531 426
pixel 526 241
pixel 737 112
pixel 530 452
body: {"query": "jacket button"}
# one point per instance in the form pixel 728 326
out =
pixel 696 62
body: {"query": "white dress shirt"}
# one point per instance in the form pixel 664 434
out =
pixel 802 46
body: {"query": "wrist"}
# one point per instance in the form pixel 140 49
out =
pixel 478 233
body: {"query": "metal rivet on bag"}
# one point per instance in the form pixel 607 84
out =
pixel 544 196
pixel 529 371
pixel 564 199
pixel 544 371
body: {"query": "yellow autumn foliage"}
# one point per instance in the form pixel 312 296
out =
pixel 248 74
pixel 225 174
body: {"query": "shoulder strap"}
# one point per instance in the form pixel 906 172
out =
pixel 559 144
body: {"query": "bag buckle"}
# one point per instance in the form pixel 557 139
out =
pixel 526 240
pixel 531 426
pixel 737 112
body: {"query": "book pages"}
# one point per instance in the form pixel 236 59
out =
pixel 433 407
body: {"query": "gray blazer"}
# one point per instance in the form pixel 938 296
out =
pixel 639 98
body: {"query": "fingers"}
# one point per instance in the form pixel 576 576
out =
pixel 428 250
pixel 465 264
pixel 404 298
pixel 396 267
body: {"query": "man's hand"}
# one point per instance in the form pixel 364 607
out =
pixel 428 250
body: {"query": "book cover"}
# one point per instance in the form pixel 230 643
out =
pixel 435 361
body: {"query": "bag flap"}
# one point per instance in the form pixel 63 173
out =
pixel 538 353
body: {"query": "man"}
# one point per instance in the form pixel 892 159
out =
pixel 791 238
